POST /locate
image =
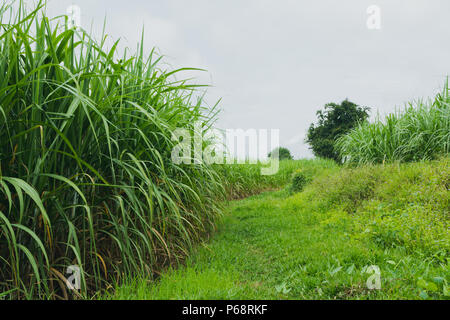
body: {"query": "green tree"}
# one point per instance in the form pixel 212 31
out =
pixel 283 153
pixel 334 121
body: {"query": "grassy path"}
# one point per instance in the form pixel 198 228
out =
pixel 276 246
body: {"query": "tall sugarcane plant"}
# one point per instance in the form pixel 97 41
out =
pixel 86 176
pixel 419 132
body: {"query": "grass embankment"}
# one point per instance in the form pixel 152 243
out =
pixel 318 244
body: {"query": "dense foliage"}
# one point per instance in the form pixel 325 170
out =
pixel 86 176
pixel 299 181
pixel 420 132
pixel 334 121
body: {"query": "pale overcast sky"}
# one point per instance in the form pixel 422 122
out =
pixel 276 62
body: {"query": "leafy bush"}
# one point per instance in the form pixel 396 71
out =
pixel 333 122
pixel 283 153
pixel 299 181
pixel 420 132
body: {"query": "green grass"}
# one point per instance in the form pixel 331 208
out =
pixel 317 244
pixel 420 132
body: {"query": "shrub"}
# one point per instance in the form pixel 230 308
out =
pixel 299 181
pixel 283 153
